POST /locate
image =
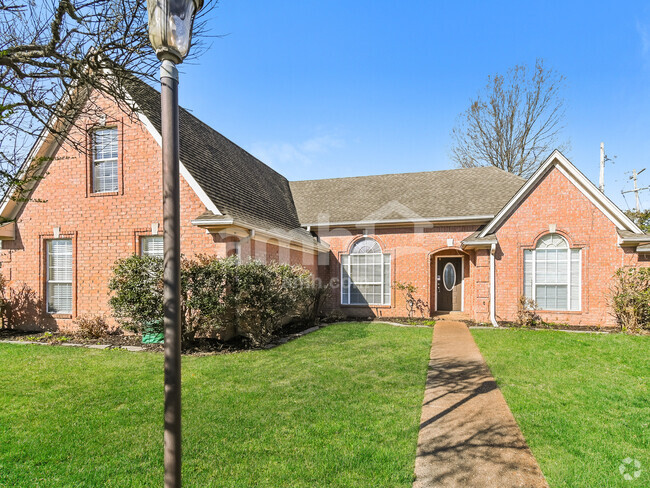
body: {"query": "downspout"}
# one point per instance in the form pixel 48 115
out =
pixel 493 315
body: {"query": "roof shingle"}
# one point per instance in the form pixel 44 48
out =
pixel 239 184
pixel 405 196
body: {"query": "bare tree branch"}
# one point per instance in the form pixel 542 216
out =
pixel 50 50
pixel 514 124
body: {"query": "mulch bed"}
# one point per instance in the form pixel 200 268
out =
pixel 198 347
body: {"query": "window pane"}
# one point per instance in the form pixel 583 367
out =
pixel 105 160
pixel 552 297
pixel 152 246
pixel 345 279
pixel 59 276
pixel 555 267
pixel 366 246
pixel 387 281
pixel 105 143
pixel 59 298
pixel 575 279
pixel 528 274
pixel 363 276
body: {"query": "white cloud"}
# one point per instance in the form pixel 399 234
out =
pixel 304 153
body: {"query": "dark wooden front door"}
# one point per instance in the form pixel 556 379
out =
pixel 449 280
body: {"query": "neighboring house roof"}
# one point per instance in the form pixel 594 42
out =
pixel 238 184
pixel 457 194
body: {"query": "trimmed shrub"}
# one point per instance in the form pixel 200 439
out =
pixel 208 305
pixel 630 298
pixel 255 298
pixel 266 295
pixel 137 286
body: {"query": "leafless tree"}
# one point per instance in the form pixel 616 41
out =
pixel 54 52
pixel 514 123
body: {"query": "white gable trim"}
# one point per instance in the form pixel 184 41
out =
pixel 575 176
pixel 205 200
pixel 30 157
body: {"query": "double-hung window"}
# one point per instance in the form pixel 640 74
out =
pixel 59 276
pixel 151 246
pixel 104 166
pixel 552 274
pixel 365 275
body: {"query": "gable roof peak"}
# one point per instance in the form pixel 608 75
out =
pixel 558 160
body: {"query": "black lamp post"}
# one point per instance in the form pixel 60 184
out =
pixel 170 33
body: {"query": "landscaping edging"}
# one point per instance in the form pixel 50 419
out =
pixel 575 331
pixel 276 343
pixel 74 344
pixel 397 324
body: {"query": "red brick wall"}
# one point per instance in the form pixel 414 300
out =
pixel 412 251
pixel 103 227
pixel 556 201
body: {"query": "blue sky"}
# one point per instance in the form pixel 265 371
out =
pixel 321 89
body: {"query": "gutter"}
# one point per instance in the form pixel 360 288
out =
pixel 360 223
pixel 484 243
pixel 630 241
pixel 493 317
pixel 213 222
pixel 304 242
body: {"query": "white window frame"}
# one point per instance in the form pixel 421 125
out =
pixel 97 161
pixel 143 239
pixel 48 281
pixel 346 300
pixel 568 283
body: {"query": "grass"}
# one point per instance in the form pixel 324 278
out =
pixel 581 400
pixel 337 408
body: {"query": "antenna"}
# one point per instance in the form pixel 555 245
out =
pixel 636 190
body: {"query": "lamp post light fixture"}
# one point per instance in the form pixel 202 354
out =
pixel 170 33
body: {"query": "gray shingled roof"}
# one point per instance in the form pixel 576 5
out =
pixel 239 184
pixel 406 196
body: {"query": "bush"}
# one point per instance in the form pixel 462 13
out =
pixel 216 293
pixel 315 295
pixel 527 312
pixel 630 298
pixel 266 295
pixel 93 326
pixel 207 302
pixel 137 286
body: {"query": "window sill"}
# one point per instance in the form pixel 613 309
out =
pixel 105 194
pixel 60 315
pixel 573 312
pixel 364 305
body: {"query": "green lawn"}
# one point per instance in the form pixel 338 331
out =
pixel 337 408
pixel 581 400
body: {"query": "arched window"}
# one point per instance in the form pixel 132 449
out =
pixel 365 274
pixel 552 274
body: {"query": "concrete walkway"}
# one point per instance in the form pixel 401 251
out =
pixel 468 436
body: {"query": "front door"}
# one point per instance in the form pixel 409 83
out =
pixel 449 280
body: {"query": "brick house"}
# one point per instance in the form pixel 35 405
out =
pixel 470 240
